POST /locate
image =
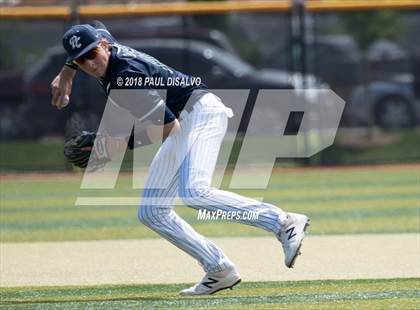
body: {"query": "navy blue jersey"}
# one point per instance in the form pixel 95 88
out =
pixel 161 89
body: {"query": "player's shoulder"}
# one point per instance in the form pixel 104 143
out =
pixel 107 35
pixel 126 77
pixel 130 53
pixel 126 59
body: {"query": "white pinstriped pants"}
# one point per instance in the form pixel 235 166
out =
pixel 183 167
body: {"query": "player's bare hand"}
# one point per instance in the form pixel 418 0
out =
pixel 61 87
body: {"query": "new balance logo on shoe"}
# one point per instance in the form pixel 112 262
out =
pixel 214 282
pixel 291 236
pixel 290 233
pixel 207 283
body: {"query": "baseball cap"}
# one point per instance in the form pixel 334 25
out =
pixel 80 39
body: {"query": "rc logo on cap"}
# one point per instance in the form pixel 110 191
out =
pixel 79 39
pixel 74 42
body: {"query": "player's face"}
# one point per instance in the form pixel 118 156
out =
pixel 95 61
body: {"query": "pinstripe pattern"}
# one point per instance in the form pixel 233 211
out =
pixel 184 167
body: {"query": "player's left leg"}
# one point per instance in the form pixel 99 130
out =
pixel 207 126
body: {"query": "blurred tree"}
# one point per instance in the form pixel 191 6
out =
pixel 6 58
pixel 248 51
pixel 217 21
pixel 367 27
pixel 7 45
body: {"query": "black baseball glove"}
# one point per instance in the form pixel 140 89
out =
pixel 79 149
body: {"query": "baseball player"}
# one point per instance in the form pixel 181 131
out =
pixel 184 165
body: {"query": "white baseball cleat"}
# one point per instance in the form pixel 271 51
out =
pixel 291 236
pixel 214 282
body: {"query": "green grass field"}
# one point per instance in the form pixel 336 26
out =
pixel 339 201
pixel 382 199
pixel 340 294
pixel 373 146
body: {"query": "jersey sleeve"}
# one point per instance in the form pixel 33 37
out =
pixel 97 24
pixel 103 31
pixel 168 116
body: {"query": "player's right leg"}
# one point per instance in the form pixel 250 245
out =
pixel 213 282
pixel 156 212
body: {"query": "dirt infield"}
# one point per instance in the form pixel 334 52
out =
pixel 157 261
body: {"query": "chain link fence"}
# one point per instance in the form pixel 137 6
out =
pixel 370 58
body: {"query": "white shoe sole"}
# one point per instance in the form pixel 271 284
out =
pixel 224 288
pixel 212 292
